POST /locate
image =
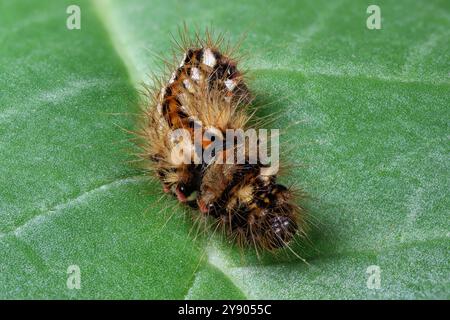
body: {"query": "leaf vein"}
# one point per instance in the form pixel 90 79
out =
pixel 71 203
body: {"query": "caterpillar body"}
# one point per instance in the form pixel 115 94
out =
pixel 207 91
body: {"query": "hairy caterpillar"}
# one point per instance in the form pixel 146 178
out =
pixel 205 96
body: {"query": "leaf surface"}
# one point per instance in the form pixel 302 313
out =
pixel 365 113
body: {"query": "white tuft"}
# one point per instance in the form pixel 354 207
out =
pixel 208 58
pixel 188 85
pixel 230 84
pixel 172 78
pixel 182 61
pixel 195 74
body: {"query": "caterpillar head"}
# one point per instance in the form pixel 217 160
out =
pixel 187 182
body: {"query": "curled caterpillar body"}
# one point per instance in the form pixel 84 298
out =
pixel 205 97
pixel 201 71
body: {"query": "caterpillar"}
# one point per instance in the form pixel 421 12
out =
pixel 205 97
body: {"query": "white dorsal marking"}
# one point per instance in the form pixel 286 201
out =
pixel 230 84
pixel 208 58
pixel 172 78
pixel 182 61
pixel 195 74
pixel 188 84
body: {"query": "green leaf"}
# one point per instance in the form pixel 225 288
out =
pixel 365 112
